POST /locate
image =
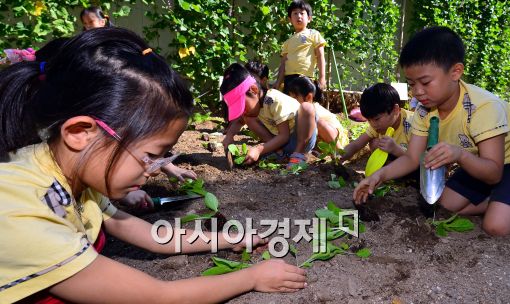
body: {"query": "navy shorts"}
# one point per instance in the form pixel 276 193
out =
pixel 292 143
pixel 477 191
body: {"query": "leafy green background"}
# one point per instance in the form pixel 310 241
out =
pixel 201 38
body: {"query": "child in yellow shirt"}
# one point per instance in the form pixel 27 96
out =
pixel 379 104
pixel 303 50
pixel 67 145
pixel 473 132
pixel 328 125
pixel 279 120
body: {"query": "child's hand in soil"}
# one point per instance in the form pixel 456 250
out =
pixel 253 155
pixel 367 186
pixel 275 275
pixel 179 173
pixel 138 199
pixel 387 144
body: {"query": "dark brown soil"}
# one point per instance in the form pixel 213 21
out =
pixel 409 264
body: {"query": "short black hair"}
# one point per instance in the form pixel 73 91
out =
pixel 438 45
pixel 258 68
pixel 299 4
pixel 302 86
pixel 377 99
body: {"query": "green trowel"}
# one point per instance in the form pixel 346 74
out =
pixel 432 181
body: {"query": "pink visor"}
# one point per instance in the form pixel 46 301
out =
pixel 236 98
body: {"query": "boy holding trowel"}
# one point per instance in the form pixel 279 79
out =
pixel 380 105
pixel 473 132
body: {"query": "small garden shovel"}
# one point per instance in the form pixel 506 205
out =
pixel 432 181
pixel 378 157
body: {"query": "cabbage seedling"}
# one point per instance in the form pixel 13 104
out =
pixel 239 155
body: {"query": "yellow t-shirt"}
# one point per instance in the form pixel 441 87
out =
pixel 277 108
pixel 300 50
pixel 478 115
pixel 332 120
pixel 46 236
pixel 402 134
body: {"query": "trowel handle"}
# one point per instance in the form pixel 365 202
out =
pixel 156 201
pixel 433 132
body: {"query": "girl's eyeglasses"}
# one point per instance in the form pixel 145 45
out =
pixel 150 165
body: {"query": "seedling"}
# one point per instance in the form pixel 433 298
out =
pixel 295 169
pixel 383 190
pixel 266 255
pixel 268 165
pixel 331 149
pixel 223 266
pixel 364 253
pixel 331 251
pixel 211 202
pixel 193 186
pixel 336 182
pixel 454 223
pixel 239 154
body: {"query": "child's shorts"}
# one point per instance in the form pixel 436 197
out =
pixel 292 143
pixel 477 191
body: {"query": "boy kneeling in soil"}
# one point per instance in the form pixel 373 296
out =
pixel 379 104
pixel 473 132
pixel 279 120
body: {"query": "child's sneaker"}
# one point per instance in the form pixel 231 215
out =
pixel 296 158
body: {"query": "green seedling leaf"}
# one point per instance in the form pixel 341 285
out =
pixel 192 217
pixel 441 230
pixel 454 223
pixel 266 255
pixel 364 253
pixel 245 256
pixel 244 149
pixel 334 234
pixel 217 270
pixel 238 160
pixel 336 183
pixel 306 264
pixel 211 201
pixel 382 191
pixel 328 215
pixel 460 225
pixel 233 149
pixel 293 250
pixel 344 246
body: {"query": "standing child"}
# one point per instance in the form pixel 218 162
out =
pixel 93 17
pixel 328 125
pixel 473 132
pixel 380 105
pixel 110 108
pixel 279 120
pixel 303 51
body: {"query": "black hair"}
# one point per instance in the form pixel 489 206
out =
pixel 378 99
pixel 301 5
pixel 438 45
pixel 101 74
pixel 50 49
pixel 98 13
pixel 234 75
pixel 260 69
pixel 302 86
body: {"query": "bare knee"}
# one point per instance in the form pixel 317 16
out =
pixel 495 228
pixel 307 109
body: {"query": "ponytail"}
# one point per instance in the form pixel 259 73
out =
pixel 19 84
